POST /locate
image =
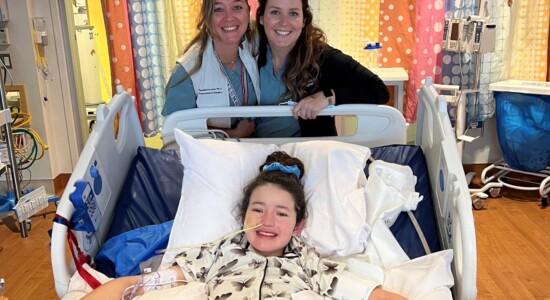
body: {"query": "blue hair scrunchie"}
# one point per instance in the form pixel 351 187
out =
pixel 285 169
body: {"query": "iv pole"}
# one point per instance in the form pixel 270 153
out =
pixel 477 195
pixel 11 153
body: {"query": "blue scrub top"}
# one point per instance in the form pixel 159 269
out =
pixel 180 94
pixel 272 88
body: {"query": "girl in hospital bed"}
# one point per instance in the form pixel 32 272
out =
pixel 267 259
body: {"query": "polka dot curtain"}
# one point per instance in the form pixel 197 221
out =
pixel 410 32
pixel 350 25
pixel 120 47
pixel 529 41
pixel 407 35
pixel 148 60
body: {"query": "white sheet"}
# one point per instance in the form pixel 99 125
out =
pixel 390 190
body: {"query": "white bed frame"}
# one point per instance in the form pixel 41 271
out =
pixel 110 157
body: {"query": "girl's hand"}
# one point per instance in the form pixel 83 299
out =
pixel 381 294
pixel 310 106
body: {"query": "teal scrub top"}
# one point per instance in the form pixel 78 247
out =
pixel 272 88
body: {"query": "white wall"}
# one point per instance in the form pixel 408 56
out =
pixel 61 121
pixel 24 72
pixel 49 101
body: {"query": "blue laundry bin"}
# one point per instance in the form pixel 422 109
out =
pixel 5 204
pixel 523 123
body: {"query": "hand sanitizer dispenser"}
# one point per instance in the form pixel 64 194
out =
pixel 373 55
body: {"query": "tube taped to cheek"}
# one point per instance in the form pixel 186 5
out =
pixel 160 280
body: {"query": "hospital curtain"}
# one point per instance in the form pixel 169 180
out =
pixel 120 47
pixel 350 25
pixel 529 40
pixel 147 36
pixel 425 53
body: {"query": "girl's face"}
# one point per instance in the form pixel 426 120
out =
pixel 283 21
pixel 230 20
pixel 273 207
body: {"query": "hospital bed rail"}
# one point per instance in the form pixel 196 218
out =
pixel 377 125
pixel 453 205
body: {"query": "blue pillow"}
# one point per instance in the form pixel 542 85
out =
pixel 127 250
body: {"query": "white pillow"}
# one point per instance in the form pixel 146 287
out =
pixel 215 173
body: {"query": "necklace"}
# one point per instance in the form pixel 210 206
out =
pixel 230 63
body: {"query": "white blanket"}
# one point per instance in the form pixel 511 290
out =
pixel 388 191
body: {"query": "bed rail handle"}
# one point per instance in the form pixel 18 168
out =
pixel 373 121
pixel 61 270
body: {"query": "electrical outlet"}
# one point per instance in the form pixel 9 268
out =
pixel 4 36
pixel 6 60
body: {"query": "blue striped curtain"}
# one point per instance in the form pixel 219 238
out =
pixel 147 50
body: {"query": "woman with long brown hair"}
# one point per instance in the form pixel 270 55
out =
pixel 297 64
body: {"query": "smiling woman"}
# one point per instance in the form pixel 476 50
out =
pixel 218 67
pixel 297 64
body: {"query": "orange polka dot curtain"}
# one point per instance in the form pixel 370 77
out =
pixel 409 31
pixel 120 47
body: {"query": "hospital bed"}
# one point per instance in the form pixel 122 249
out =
pixel 98 179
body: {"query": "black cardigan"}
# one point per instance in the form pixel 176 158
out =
pixel 352 84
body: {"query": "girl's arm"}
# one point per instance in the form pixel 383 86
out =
pixel 381 294
pixel 117 288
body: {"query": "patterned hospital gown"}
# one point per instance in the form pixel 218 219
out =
pixel 233 271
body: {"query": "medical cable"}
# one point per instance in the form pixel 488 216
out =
pixel 232 234
pixel 149 283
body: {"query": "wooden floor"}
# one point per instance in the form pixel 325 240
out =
pixel 513 246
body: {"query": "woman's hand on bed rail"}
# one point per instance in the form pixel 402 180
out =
pixel 310 106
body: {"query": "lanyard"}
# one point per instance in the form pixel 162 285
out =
pixel 231 89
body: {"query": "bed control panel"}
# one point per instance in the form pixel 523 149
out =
pixel 85 203
pixel 90 198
